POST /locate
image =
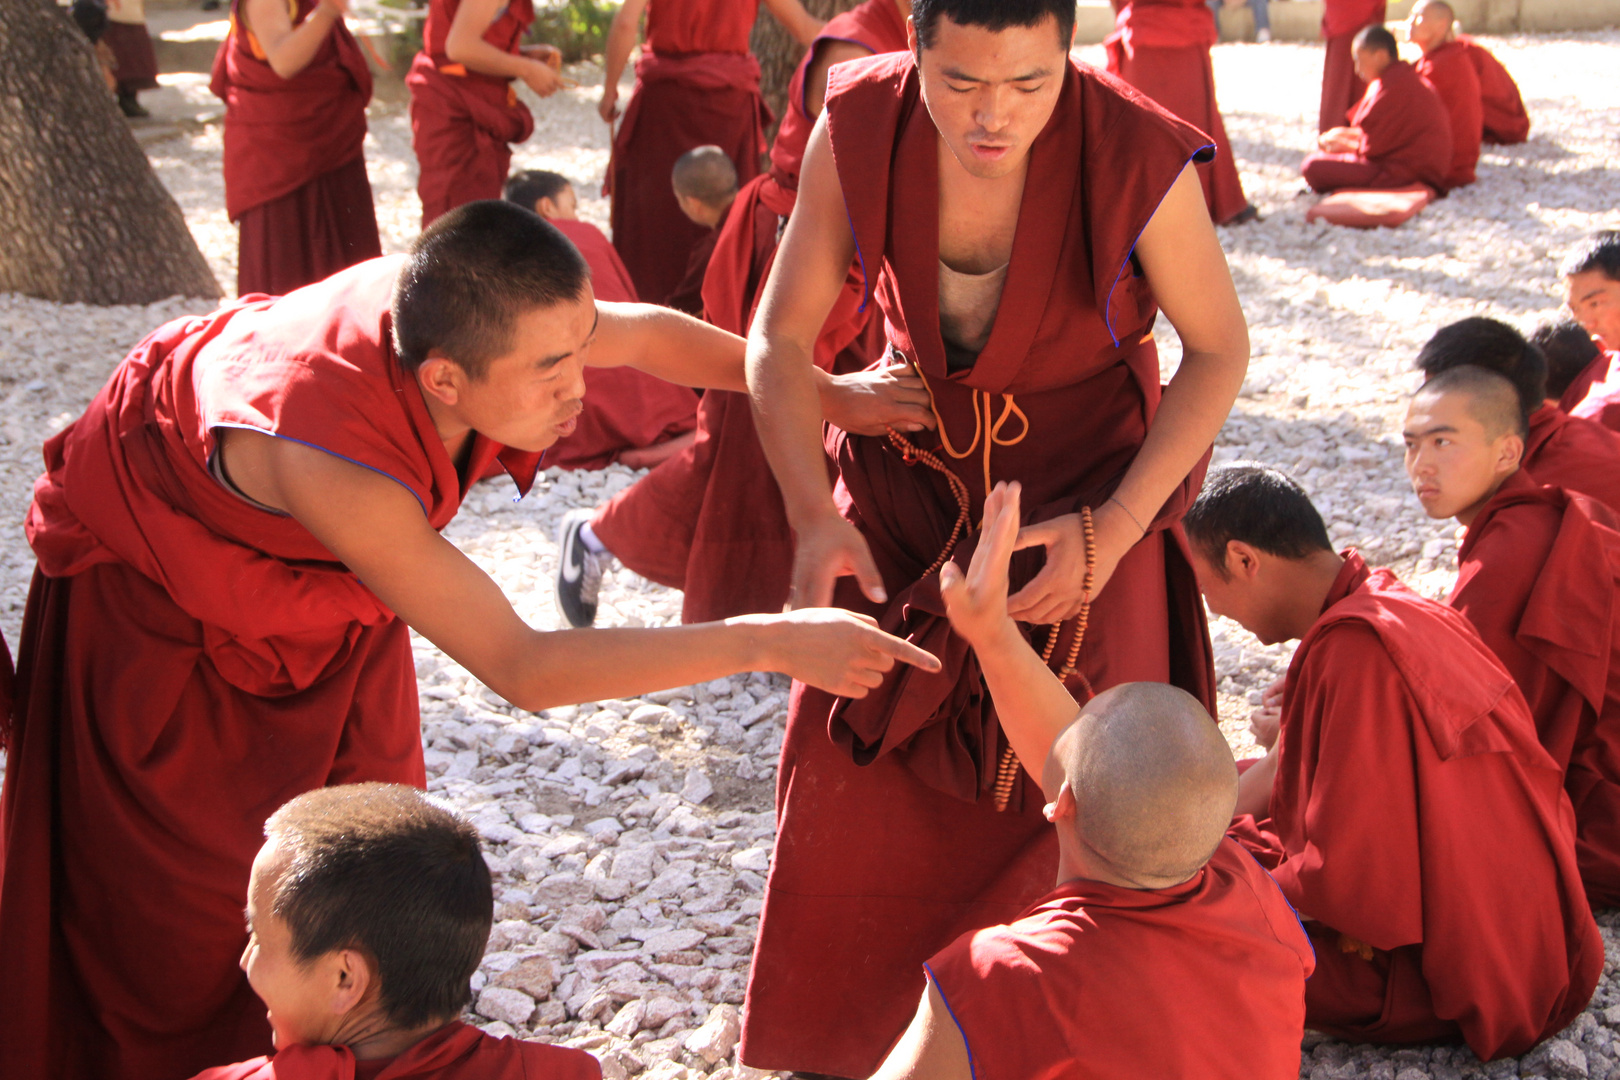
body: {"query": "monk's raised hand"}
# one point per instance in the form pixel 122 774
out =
pixel 1057 591
pixel 843 653
pixel 868 402
pixel 976 601
pixel 825 551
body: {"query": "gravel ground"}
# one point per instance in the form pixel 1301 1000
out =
pixel 630 839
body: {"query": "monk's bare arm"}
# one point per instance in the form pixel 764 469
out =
pixel 796 20
pixel 669 344
pixel 465 44
pixel 621 39
pixel 932 1047
pixel 1254 787
pixel 289 49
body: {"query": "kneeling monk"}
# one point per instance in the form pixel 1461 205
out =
pixel 1407 809
pixel 233 542
pixel 1156 913
pixel 1021 220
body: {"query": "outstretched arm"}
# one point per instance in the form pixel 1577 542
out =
pixel 289 49
pixel 932 1047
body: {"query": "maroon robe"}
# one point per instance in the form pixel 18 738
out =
pixel 1405 138
pixel 1596 371
pixel 189 662
pixel 295 174
pixel 1506 120
pixel 889 845
pixel 1601 402
pixel 687 295
pixel 1575 454
pixel 1414 814
pixel 1451 74
pixel 463 122
pixel 1161 47
pixel 455 1052
pixel 1342 20
pixel 134 59
pixel 1079 986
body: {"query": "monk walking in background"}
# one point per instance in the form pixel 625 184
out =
pixel 135 65
pixel 1592 290
pixel 1538 575
pixel 705 185
pixel 1506 120
pixel 629 416
pixel 465 112
pixel 221 613
pixel 1161 47
pixel 1342 84
pixel 295 88
pixel 1156 913
pixel 903 821
pixel 1407 809
pixel 696 85
pixel 1445 66
pixel 1399 134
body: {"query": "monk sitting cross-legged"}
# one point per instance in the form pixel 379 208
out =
pixel 1408 810
pixel 1445 67
pixel 368 910
pixel 705 185
pixel 1538 574
pixel 1342 87
pixel 1156 913
pixel 1591 275
pixel 1399 133
pixel 629 417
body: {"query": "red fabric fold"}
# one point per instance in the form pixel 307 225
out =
pixel 1505 118
pixel 1575 454
pixel 1448 70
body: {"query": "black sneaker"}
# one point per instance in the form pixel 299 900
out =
pixel 579 572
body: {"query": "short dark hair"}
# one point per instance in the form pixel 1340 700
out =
pixel 1493 400
pixel 1259 506
pixel 528 187
pixel 1494 345
pixel 381 869
pixel 993 15
pixel 471 274
pixel 1377 37
pixel 1600 251
pixel 1567 348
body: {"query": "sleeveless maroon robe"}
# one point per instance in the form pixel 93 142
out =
pixel 295 174
pixel 1161 47
pixel 455 1052
pixel 710 521
pixel 1080 985
pixel 1415 812
pixel 1451 74
pixel 1575 454
pixel 696 85
pixel 1405 138
pixel 888 843
pixel 189 663
pixel 463 122
pixel 1538 575
pixel 1342 20
pixel 1506 120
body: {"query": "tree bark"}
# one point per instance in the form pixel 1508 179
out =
pixel 83 219
pixel 778 53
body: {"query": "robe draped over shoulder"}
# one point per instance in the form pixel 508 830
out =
pixel 455 1052
pixel 1574 453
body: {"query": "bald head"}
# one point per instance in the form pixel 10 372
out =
pixel 1489 398
pixel 705 174
pixel 1153 781
pixel 1430 24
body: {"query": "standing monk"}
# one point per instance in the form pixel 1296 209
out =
pixel 233 543
pixel 1342 85
pixel 465 112
pixel 1161 47
pixel 711 522
pixel 696 85
pixel 1506 120
pixel 902 819
pixel 134 60
pixel 1445 67
pixel 295 89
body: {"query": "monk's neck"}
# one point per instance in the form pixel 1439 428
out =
pixel 372 1037
pixel 1307 583
pixel 1467 516
pixel 454 432
pixel 978 216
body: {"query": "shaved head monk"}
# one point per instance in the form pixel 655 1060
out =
pixel 1591 275
pixel 1399 133
pixel 696 85
pixel 629 416
pixel 1506 120
pixel 1570 452
pixel 705 184
pixel 368 910
pixel 295 87
pixel 465 113
pixel 710 522
pixel 1408 810
pixel 1155 913
pixel 1161 47
pixel 1021 221
pixel 1445 66
pixel 1538 574
pixel 1342 85
pixel 233 543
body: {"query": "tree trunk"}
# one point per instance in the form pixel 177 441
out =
pixel 777 52
pixel 83 219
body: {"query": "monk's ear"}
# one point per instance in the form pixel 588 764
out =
pixel 441 378
pixel 1509 454
pixel 356 980
pixel 1063 807
pixel 1242 560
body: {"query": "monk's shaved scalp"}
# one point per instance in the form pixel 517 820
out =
pixel 1437 8
pixel 1599 252
pixel 1568 349
pixel 1378 39
pixel 1492 344
pixel 707 175
pixel 1259 506
pixel 1153 780
pixel 528 187
pixel 381 869
pixel 992 15
pixel 1491 398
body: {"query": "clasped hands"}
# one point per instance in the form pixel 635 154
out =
pixel 1340 140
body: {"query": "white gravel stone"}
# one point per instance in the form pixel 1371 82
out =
pixel 509 1006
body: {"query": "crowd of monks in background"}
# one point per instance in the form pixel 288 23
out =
pixel 215 694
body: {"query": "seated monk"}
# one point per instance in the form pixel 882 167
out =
pixel 1156 913
pixel 1592 290
pixel 1506 121
pixel 1342 20
pixel 1569 452
pixel 630 417
pixel 1445 67
pixel 1574 362
pixel 1399 133
pixel 705 183
pixel 368 910
pixel 1407 810
pixel 1537 576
